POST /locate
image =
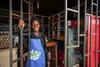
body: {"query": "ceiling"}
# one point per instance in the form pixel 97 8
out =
pixel 46 7
pixel 50 7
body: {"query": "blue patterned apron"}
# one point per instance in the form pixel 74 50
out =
pixel 37 54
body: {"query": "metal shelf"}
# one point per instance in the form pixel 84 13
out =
pixel 62 20
pixel 26 19
pixel 4 16
pixel 8 17
pixel 52 59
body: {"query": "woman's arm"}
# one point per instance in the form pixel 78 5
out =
pixel 46 51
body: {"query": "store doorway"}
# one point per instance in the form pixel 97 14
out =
pixel 76 28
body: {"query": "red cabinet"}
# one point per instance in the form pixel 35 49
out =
pixel 93 47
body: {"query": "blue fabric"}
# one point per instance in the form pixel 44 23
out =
pixel 37 54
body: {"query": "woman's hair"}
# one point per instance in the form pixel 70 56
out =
pixel 35 19
pixel 38 20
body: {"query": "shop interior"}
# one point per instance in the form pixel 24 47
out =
pixel 52 15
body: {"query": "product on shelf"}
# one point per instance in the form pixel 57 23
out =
pixel 4 28
pixel 25 17
pixel 45 19
pixel 60 58
pixel 78 51
pixel 77 64
pixel 49 55
pixel 57 26
pixel 62 16
pixel 4 13
pixel 74 23
pixel 4 21
pixel 4 42
pixel 55 34
pixel 55 18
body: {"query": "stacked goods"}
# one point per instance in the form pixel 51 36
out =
pixel 61 58
pixel 4 42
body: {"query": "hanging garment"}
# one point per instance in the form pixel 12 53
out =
pixel 37 54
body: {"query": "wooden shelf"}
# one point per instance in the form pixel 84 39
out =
pixel 26 19
pixel 60 39
pixel 52 59
pixel 8 17
pixel 58 24
pixel 4 16
pixel 52 49
pixel 15 18
pixel 62 20
pixel 52 43
pixel 61 30
pixel 15 31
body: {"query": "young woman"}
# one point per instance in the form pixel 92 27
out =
pixel 38 50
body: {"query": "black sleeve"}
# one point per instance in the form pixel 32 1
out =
pixel 46 51
pixel 45 47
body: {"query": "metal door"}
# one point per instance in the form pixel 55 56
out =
pixel 92 33
pixel 69 46
pixel 22 55
pixel 91 49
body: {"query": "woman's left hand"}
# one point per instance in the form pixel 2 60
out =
pixel 48 63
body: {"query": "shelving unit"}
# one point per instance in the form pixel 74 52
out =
pixel 4 31
pixel 45 26
pixel 61 26
pixel 50 27
pixel 4 42
pixel 56 29
pixel 4 22
pixel 52 53
pixel 4 28
pixel 55 26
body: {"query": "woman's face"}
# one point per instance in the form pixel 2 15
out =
pixel 35 26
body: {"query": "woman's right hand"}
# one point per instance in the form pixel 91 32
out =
pixel 21 23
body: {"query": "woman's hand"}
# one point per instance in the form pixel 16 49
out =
pixel 21 23
pixel 48 62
